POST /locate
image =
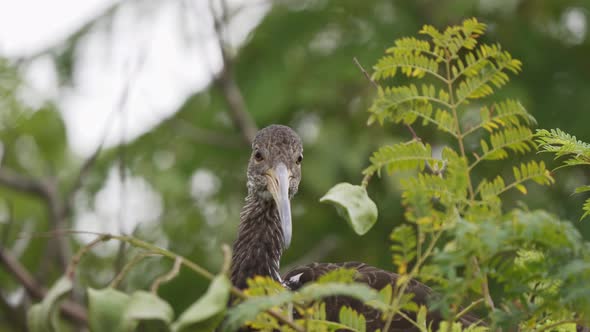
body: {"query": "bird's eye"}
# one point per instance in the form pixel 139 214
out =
pixel 299 159
pixel 258 156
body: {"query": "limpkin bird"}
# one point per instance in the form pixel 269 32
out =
pixel 274 172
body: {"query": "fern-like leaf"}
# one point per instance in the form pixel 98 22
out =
pixel 260 286
pixel 403 247
pixel 535 171
pixel 479 79
pixel 563 144
pixel 531 171
pixel 343 275
pixel 491 189
pixel 517 139
pixel 509 113
pixel 586 208
pixel 456 38
pixel 411 65
pixel 403 156
pixel 406 103
pixel 352 319
pixel 409 45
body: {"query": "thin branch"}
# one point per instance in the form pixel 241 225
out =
pixel 71 270
pixel 484 284
pixel 79 180
pixel 48 192
pixel 71 310
pixel 21 183
pixel 168 276
pixel 469 307
pixel 57 220
pixel 358 64
pixel 226 81
pixel 125 270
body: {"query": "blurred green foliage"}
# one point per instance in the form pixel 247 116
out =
pixel 296 68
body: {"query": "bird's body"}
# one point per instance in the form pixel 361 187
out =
pixel 274 172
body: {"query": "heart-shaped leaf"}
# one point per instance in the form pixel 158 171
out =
pixel 206 313
pixel 354 205
pixel 150 311
pixel 106 310
pixel 112 310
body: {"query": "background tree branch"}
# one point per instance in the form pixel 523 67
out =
pixel 226 80
pixel 71 310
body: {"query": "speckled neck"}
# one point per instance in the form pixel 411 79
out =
pixel 258 247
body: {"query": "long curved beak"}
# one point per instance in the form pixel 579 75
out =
pixel 278 186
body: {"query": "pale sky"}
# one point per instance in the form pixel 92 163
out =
pixel 163 50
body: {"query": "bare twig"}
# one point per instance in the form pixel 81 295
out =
pixel 484 284
pixel 71 270
pixel 18 182
pixel 358 64
pixel 79 180
pixel 226 81
pixel 469 307
pixel 71 310
pixel 47 191
pixel 168 276
pixel 57 219
pixel 125 269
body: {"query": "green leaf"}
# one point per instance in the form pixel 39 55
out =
pixel 354 205
pixel 149 311
pixel 44 316
pixel 106 310
pixel 206 313
pixel 113 310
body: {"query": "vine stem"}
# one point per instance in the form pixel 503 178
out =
pixel 171 255
pixel 456 118
pixel 469 307
pixel 395 301
pixel 166 277
pixel 484 284
pixel 123 273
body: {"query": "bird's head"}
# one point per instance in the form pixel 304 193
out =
pixel 274 170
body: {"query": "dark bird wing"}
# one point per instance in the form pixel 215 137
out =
pixel 376 278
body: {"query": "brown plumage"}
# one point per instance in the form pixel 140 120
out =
pixel 274 172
